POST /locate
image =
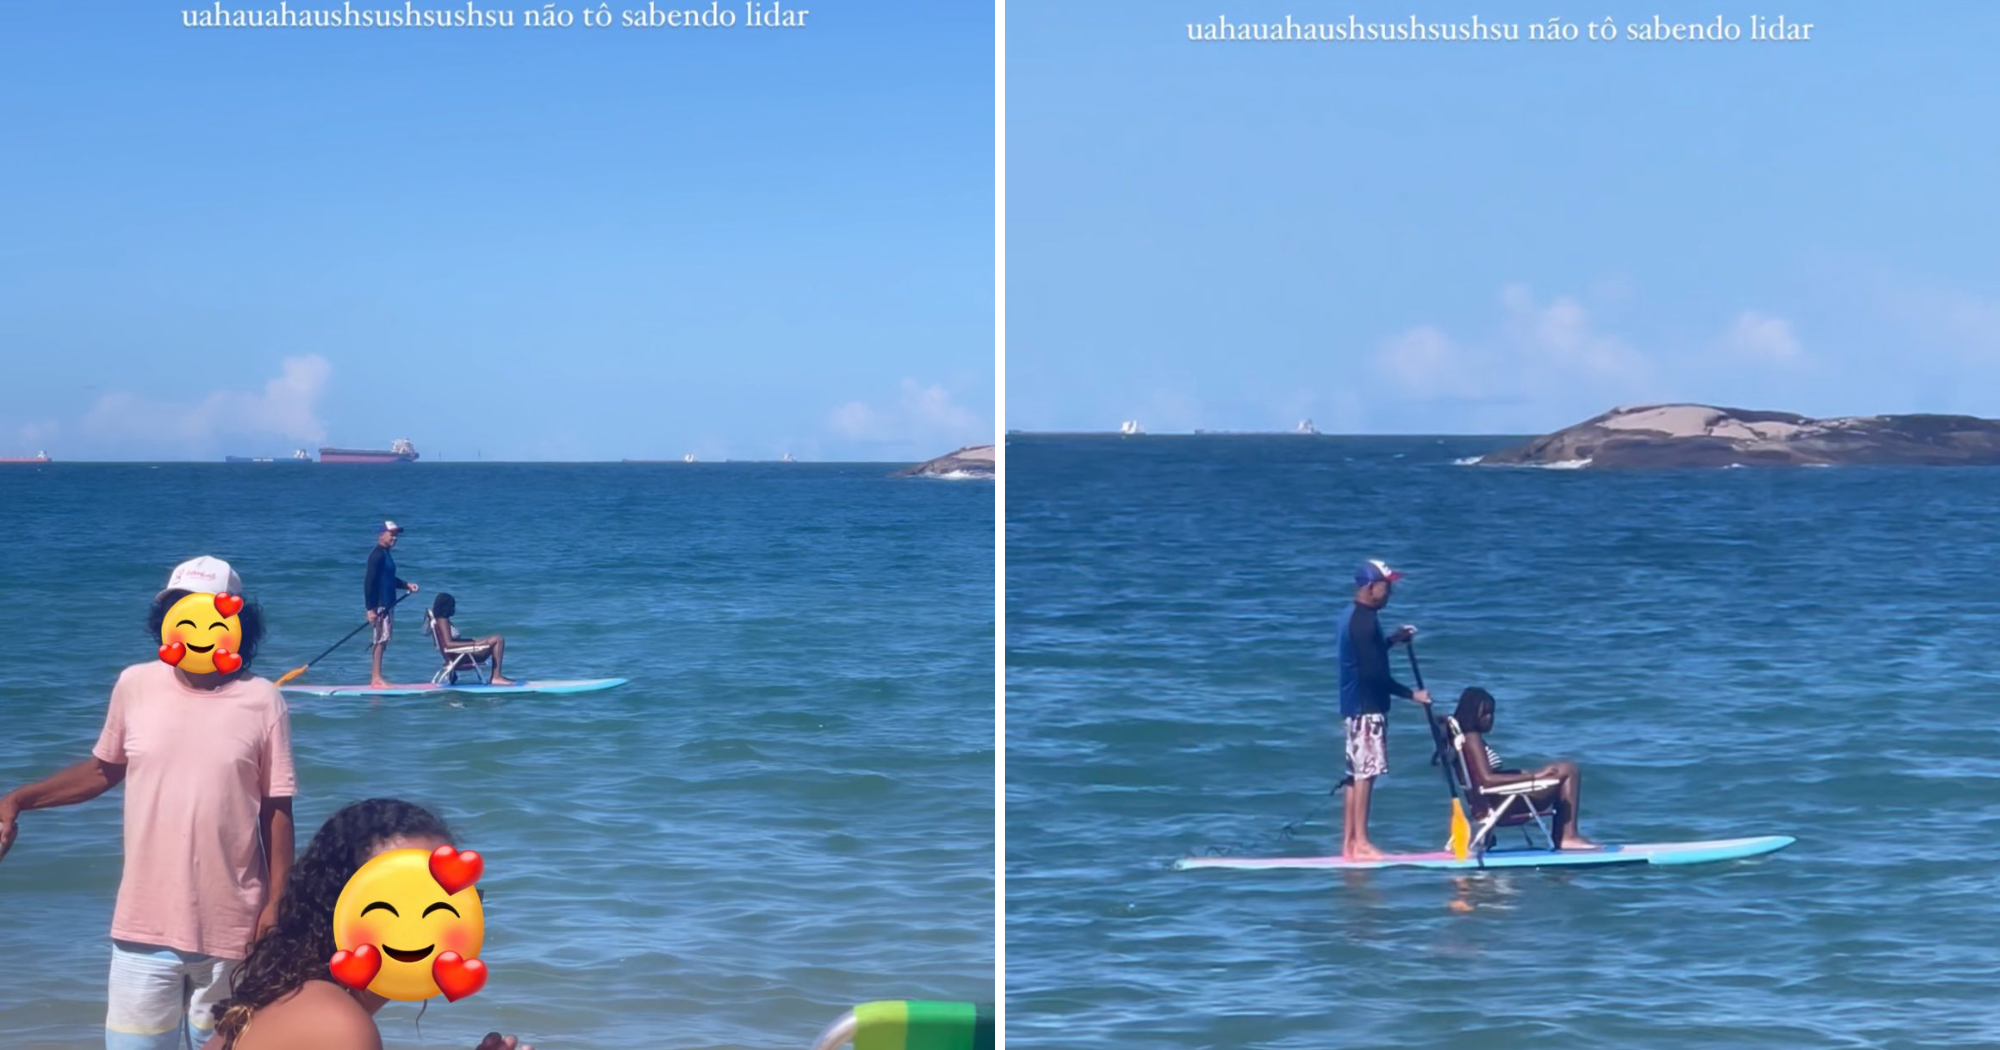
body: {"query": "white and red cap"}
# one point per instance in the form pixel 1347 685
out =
pixel 390 526
pixel 204 575
pixel 1374 570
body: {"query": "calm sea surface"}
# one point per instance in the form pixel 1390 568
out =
pixel 1726 653
pixel 788 811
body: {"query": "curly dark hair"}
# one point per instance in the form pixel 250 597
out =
pixel 299 944
pixel 251 617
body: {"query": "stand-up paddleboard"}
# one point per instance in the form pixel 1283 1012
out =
pixel 551 685
pixel 1648 853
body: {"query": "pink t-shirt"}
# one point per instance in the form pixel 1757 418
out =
pixel 198 765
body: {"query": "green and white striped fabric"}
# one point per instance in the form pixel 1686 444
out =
pixel 913 1024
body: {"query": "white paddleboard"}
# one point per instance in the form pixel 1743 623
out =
pixel 1644 853
pixel 550 685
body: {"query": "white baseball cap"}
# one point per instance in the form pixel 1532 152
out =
pixel 1375 570
pixel 204 575
pixel 390 526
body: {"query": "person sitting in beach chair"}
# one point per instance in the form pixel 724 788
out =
pixel 462 654
pixel 1502 797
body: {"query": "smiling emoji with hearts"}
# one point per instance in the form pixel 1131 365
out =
pixel 409 926
pixel 202 634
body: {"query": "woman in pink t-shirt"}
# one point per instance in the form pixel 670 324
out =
pixel 206 760
pixel 284 999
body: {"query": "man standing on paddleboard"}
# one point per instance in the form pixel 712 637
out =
pixel 1366 688
pixel 379 595
pixel 206 759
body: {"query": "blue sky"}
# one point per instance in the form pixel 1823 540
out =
pixel 513 243
pixel 1496 237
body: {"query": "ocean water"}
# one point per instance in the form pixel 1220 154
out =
pixel 788 811
pixel 1725 652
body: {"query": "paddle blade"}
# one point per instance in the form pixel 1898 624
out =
pixel 1460 842
pixel 295 672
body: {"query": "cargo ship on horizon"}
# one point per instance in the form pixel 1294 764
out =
pixel 399 451
pixel 39 457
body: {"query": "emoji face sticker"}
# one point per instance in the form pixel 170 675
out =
pixel 409 926
pixel 201 634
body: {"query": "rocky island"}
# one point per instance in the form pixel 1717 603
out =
pixel 1685 435
pixel 972 461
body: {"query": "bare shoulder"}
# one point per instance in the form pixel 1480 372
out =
pixel 319 1016
pixel 331 1001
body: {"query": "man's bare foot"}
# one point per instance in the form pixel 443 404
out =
pixel 1577 843
pixel 377 683
pixel 497 680
pixel 1363 851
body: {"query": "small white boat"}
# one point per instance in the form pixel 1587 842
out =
pixel 689 458
pixel 1305 427
pixel 1130 427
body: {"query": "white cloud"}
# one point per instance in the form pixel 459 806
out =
pixel 922 413
pixel 285 408
pixel 932 406
pixel 1542 350
pixel 1541 360
pixel 1563 335
pixel 1762 337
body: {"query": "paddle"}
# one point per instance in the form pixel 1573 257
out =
pixel 365 624
pixel 1460 839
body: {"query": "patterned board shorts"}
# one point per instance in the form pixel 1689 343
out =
pixel 162 998
pixel 1367 746
pixel 384 619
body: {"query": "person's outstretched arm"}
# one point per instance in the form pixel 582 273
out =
pixel 78 783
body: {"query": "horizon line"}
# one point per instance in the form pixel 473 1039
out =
pixel 1262 433
pixel 277 461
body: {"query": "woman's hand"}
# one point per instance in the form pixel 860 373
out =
pixel 496 1041
pixel 266 919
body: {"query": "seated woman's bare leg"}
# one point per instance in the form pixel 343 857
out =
pixel 1572 798
pixel 499 645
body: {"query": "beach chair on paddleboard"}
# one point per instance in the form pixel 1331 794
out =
pixel 912 1025
pixel 458 655
pixel 1496 806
